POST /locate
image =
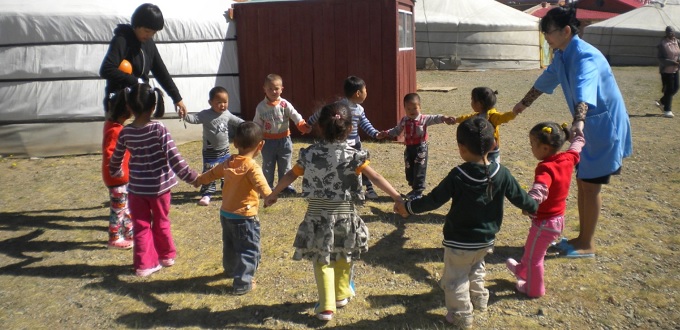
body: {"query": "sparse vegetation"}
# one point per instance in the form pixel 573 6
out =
pixel 56 272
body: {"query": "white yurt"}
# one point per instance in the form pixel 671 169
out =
pixel 631 38
pixel 470 35
pixel 50 91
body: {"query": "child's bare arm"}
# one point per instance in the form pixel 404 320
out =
pixel 284 182
pixel 381 183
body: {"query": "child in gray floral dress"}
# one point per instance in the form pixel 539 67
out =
pixel 332 234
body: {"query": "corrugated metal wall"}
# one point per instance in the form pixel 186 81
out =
pixel 315 44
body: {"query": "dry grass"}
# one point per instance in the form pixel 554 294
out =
pixel 56 272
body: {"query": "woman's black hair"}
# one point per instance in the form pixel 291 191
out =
pixel 142 98
pixel 352 85
pixel 149 16
pixel 335 121
pixel 560 17
pixel 486 96
pixel 117 106
pixel 476 134
pixel 551 134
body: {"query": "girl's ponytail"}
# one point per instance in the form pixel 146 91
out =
pixel 160 104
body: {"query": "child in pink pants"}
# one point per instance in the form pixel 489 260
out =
pixel 550 189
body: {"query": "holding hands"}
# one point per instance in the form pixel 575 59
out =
pixel 400 208
pixel 270 199
pixel 449 120
pixel 382 135
pixel 181 109
pixel 519 107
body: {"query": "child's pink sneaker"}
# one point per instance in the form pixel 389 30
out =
pixel 121 243
pixel 167 262
pixel 149 271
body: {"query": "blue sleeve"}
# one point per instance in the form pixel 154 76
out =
pixel 548 80
pixel 366 126
pixel 585 79
pixel 312 120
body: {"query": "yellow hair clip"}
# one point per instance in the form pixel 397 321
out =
pixel 547 129
pixel 564 125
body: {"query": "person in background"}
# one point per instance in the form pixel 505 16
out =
pixel 599 113
pixel 414 125
pixel 134 43
pixel 274 114
pixel 355 94
pixel 155 164
pixel 216 122
pixel 483 102
pixel 668 52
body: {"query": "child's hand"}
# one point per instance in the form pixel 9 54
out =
pixel 381 135
pixel 400 208
pixel 449 120
pixel 270 200
pixel 307 128
pixel 519 107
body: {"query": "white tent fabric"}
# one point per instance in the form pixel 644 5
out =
pixel 479 34
pixel 631 38
pixel 50 91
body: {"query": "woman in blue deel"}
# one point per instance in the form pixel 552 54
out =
pixel 599 113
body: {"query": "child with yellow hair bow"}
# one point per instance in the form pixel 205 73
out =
pixel 550 189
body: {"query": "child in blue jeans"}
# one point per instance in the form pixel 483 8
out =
pixel 245 184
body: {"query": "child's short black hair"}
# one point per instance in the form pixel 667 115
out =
pixel 352 85
pixel 551 133
pixel 217 90
pixel 476 134
pixel 248 135
pixel 412 97
pixel 485 96
pixel 149 16
pixel 335 122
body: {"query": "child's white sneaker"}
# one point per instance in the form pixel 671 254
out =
pixel 205 201
pixel 167 262
pixel 149 271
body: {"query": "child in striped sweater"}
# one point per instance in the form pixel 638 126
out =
pixel 154 165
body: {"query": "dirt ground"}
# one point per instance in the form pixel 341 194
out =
pixel 55 270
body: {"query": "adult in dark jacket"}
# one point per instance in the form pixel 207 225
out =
pixel 134 43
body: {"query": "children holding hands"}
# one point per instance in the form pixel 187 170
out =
pixel 414 125
pixel 216 121
pixel 332 234
pixel 245 183
pixel 273 114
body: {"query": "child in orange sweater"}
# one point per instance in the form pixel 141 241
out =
pixel 244 184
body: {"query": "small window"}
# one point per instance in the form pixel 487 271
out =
pixel 405 30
